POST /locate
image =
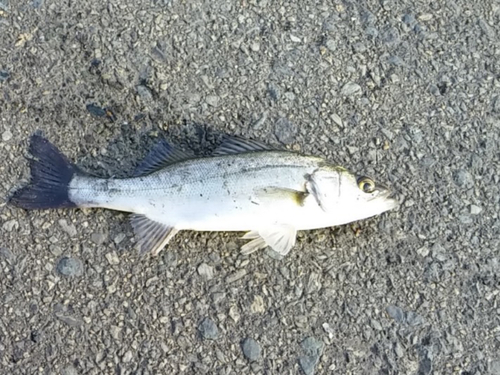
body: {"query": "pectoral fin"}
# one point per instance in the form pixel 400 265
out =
pixel 324 186
pixel 151 235
pixel 280 238
pixel 274 193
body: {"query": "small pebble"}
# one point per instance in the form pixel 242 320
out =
pixel 258 305
pixel 69 266
pixel 359 47
pixel 463 178
pixel 255 47
pixel 218 297
pixel 5 253
pixel 212 100
pixel 313 349
pixel 112 258
pixel 37 3
pixel 69 320
pixel 274 91
pixel 144 93
pixel 409 20
pixel 69 370
pixel 376 325
pixel 414 319
pixel 119 238
pixel 350 89
pixel 336 118
pixel 395 313
pixel 206 271
pixel 127 357
pixel 329 330
pixel 6 135
pixel 331 45
pixel 251 349
pixel 307 364
pixel 10 225
pixel 236 276
pixel 70 229
pixel 258 124
pixel 4 74
pixel 208 329
pixel 234 313
pixel 99 238
pixel 475 210
pixel 285 131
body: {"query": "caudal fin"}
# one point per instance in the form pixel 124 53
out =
pixel 51 173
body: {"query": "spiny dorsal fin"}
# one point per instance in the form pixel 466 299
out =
pixel 151 235
pixel 233 144
pixel 160 156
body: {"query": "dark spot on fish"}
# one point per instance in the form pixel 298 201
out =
pixel 255 203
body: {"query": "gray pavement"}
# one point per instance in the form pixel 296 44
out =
pixel 405 91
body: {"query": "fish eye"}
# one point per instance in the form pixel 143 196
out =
pixel 366 184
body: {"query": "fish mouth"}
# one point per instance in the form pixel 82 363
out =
pixel 389 199
pixel 392 201
pixel 387 196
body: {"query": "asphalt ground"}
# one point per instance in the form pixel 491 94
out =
pixel 405 91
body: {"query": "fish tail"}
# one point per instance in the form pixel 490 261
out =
pixel 51 173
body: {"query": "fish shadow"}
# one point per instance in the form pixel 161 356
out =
pixel 125 151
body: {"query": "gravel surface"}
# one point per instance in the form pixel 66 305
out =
pixel 405 91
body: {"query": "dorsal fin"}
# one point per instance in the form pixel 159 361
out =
pixel 232 144
pixel 160 156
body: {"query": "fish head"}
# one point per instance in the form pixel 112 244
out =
pixel 361 197
pixel 348 197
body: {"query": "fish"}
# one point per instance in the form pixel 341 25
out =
pixel 243 186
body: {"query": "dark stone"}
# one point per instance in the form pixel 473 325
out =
pixel 208 329
pixel 251 349
pixel 95 110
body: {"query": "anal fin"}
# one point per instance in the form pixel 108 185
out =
pixel 151 235
pixel 280 237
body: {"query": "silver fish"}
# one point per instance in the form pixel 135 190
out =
pixel 243 186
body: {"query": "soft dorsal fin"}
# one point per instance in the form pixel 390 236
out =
pixel 233 144
pixel 160 156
